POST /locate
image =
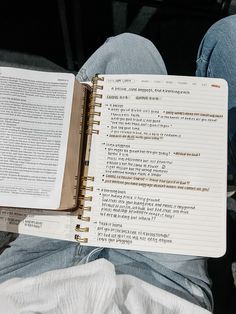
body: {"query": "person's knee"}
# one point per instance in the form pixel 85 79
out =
pixel 223 30
pixel 130 39
pixel 124 54
pixel 131 53
pixel 216 52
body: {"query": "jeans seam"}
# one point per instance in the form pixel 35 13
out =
pixel 201 59
pixel 92 253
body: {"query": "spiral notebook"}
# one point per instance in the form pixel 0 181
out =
pixel 133 162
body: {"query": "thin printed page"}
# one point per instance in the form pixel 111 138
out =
pixel 159 165
pixel 35 109
pixel 44 223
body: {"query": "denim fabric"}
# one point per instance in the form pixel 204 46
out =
pixel 216 58
pixel 123 54
pixel 186 276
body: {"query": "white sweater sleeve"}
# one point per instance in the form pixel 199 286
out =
pixel 89 288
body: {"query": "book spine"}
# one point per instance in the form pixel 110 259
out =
pixel 86 181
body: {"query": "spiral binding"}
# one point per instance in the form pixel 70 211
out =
pixel 83 197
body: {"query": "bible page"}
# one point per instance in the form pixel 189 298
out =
pixel 159 165
pixel 35 110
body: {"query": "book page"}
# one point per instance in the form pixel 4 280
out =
pixel 159 163
pixel 35 109
pixel 44 223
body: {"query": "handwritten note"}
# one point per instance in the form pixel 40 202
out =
pixel 159 163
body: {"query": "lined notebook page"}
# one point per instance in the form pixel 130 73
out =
pixel 160 163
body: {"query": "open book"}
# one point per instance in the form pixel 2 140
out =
pixel 133 162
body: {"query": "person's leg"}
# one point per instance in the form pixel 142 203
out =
pixel 27 255
pixel 182 275
pixel 217 58
pixel 123 54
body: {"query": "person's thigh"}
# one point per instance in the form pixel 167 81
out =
pixel 28 255
pixel 217 58
pixel 183 275
pixel 216 55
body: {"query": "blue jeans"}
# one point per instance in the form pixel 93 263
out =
pixel 216 58
pixel 185 276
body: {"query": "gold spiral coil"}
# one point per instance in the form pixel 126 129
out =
pixel 83 218
pixel 87 178
pixel 83 198
pixel 87 188
pixel 94 113
pixel 93 105
pixel 87 208
pixel 81 229
pixel 93 122
pixel 90 132
pixel 81 240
